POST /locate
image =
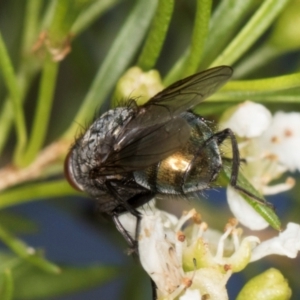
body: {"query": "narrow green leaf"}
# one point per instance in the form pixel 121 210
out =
pixel 36 191
pixel 223 26
pixel 189 62
pixel 226 21
pixel 43 111
pixel 17 223
pixel 284 87
pixel 32 283
pixel 28 68
pixel 48 14
pixel 265 85
pixel 63 18
pixel 262 208
pixel 256 59
pixel 121 53
pixel 10 79
pixel 90 14
pixel 31 24
pixel 200 31
pixel 257 25
pixel 157 35
pixel 26 252
pixel 7 287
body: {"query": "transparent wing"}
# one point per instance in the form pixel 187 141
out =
pixel 182 96
pixel 157 130
pixel 188 92
pixel 143 147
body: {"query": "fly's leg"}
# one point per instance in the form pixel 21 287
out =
pixel 131 242
pixel 220 137
pixel 125 206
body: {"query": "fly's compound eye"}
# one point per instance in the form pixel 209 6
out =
pixel 69 174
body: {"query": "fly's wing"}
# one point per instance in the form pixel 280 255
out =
pixel 157 130
pixel 145 146
pixel 182 96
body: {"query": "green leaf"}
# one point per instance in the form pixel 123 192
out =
pixel 90 14
pixel 199 36
pixel 280 88
pixel 262 208
pixel 121 53
pixel 32 283
pixel 64 16
pixel 7 286
pixel 42 112
pixel 10 79
pixel 157 35
pixel 226 21
pixel 17 223
pixel 36 191
pixel 189 62
pixel 27 253
pixel 256 26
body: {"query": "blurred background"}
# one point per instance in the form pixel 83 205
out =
pixel 67 228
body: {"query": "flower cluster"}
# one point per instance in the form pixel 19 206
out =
pixel 188 260
pixel 270 145
pixel 196 262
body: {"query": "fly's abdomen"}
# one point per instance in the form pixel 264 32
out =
pixel 190 169
pixel 171 172
pixel 166 176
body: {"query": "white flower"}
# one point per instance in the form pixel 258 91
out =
pixel 192 265
pixel 282 139
pixel 247 119
pixel 270 145
pixel 198 263
pixel 286 243
pixel 243 211
pixel 191 295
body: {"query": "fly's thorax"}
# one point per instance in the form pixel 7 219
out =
pixel 92 149
pixel 190 169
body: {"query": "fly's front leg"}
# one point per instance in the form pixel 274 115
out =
pixel 131 241
pixel 124 206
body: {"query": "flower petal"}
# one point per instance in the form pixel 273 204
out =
pixel 191 295
pixel 286 243
pixel 282 139
pixel 244 212
pixel 248 119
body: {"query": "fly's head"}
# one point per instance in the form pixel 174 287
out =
pixel 85 160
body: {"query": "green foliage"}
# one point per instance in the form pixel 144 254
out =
pixel 70 280
pixel 54 39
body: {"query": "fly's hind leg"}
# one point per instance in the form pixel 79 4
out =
pixel 220 137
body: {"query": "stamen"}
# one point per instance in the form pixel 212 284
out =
pixel 185 218
pixel 279 188
pixel 235 238
pixel 228 227
pixel 202 228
